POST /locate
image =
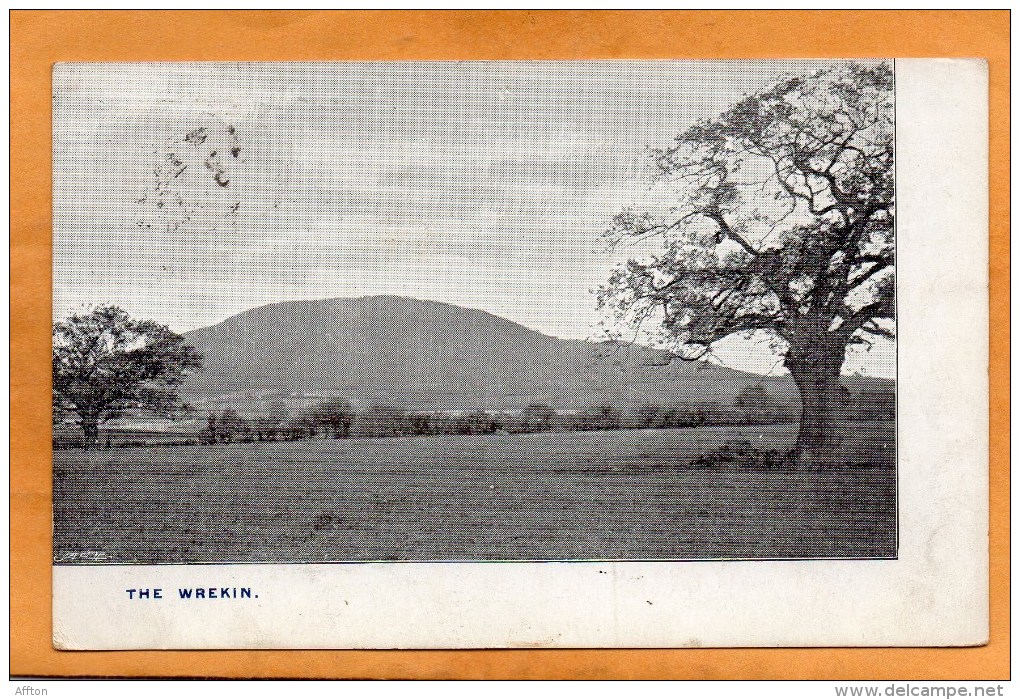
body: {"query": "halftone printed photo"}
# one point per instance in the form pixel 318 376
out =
pixel 474 311
pixel 361 315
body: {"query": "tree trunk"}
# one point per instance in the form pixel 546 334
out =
pixel 90 427
pixel 823 402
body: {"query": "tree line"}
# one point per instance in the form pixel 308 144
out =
pixel 338 418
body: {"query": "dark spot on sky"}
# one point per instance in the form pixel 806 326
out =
pixel 198 136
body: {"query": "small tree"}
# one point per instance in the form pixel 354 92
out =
pixel 271 423
pixel 778 223
pixel 212 427
pixel 422 424
pixel 335 414
pixel 603 417
pixel 685 414
pixel 232 426
pixel 106 364
pixel 381 420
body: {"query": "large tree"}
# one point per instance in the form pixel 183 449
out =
pixel 776 222
pixel 107 364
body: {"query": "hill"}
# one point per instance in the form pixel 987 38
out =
pixel 425 355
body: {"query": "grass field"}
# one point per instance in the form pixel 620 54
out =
pixel 630 494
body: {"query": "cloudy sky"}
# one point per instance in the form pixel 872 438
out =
pixel 190 192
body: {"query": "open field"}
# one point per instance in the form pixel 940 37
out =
pixel 630 494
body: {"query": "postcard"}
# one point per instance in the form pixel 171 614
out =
pixel 520 354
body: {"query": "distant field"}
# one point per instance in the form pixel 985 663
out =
pixel 66 436
pixel 594 495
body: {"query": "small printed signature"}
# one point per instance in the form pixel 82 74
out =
pixel 87 556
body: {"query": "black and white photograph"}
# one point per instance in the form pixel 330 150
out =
pixel 474 312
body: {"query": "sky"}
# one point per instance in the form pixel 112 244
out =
pixel 189 192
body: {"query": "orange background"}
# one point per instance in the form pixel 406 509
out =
pixel 40 38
